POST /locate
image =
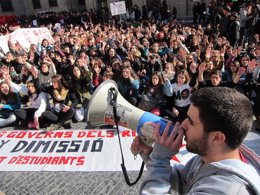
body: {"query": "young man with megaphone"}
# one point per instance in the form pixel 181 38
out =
pixel 217 122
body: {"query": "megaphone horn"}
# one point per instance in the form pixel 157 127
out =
pixel 100 112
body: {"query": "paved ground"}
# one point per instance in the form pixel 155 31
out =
pixel 66 183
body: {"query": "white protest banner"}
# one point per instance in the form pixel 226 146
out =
pixel 69 150
pixel 33 35
pixel 18 36
pixel 117 8
pixel 4 43
pixel 25 37
pixel 65 150
pixel 28 36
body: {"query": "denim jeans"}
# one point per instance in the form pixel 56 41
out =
pixel 7 117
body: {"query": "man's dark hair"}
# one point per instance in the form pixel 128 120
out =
pixel 216 71
pixel 226 110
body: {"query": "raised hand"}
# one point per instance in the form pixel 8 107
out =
pixel 34 71
pixel 4 69
pixel 241 71
pixel 202 67
pixel 239 49
pixel 235 53
pixel 7 78
pixel 256 36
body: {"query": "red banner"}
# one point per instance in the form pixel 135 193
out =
pixel 9 19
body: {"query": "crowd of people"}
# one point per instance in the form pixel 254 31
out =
pixel 156 63
pixel 204 78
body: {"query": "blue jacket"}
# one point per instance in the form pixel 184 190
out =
pixel 13 105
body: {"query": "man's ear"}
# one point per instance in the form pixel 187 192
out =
pixel 217 138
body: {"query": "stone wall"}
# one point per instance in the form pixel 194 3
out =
pixel 184 7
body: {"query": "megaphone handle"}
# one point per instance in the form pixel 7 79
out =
pixel 135 152
pixel 144 156
pixel 146 142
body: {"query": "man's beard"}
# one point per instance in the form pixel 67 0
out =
pixel 199 147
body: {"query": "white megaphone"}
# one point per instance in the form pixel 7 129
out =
pixel 100 112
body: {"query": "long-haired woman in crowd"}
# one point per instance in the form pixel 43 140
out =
pixel 134 56
pixel 179 93
pixel 21 86
pixel 153 94
pixel 9 101
pixel 97 73
pixel 61 111
pixel 169 71
pixel 110 56
pixel 37 103
pixel 47 70
pixel 81 86
pixel 44 47
pixel 231 71
pixel 128 83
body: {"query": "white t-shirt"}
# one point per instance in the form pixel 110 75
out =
pixel 182 93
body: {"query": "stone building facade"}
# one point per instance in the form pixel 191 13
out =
pixel 28 7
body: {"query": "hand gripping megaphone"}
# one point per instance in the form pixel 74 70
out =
pixel 100 112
